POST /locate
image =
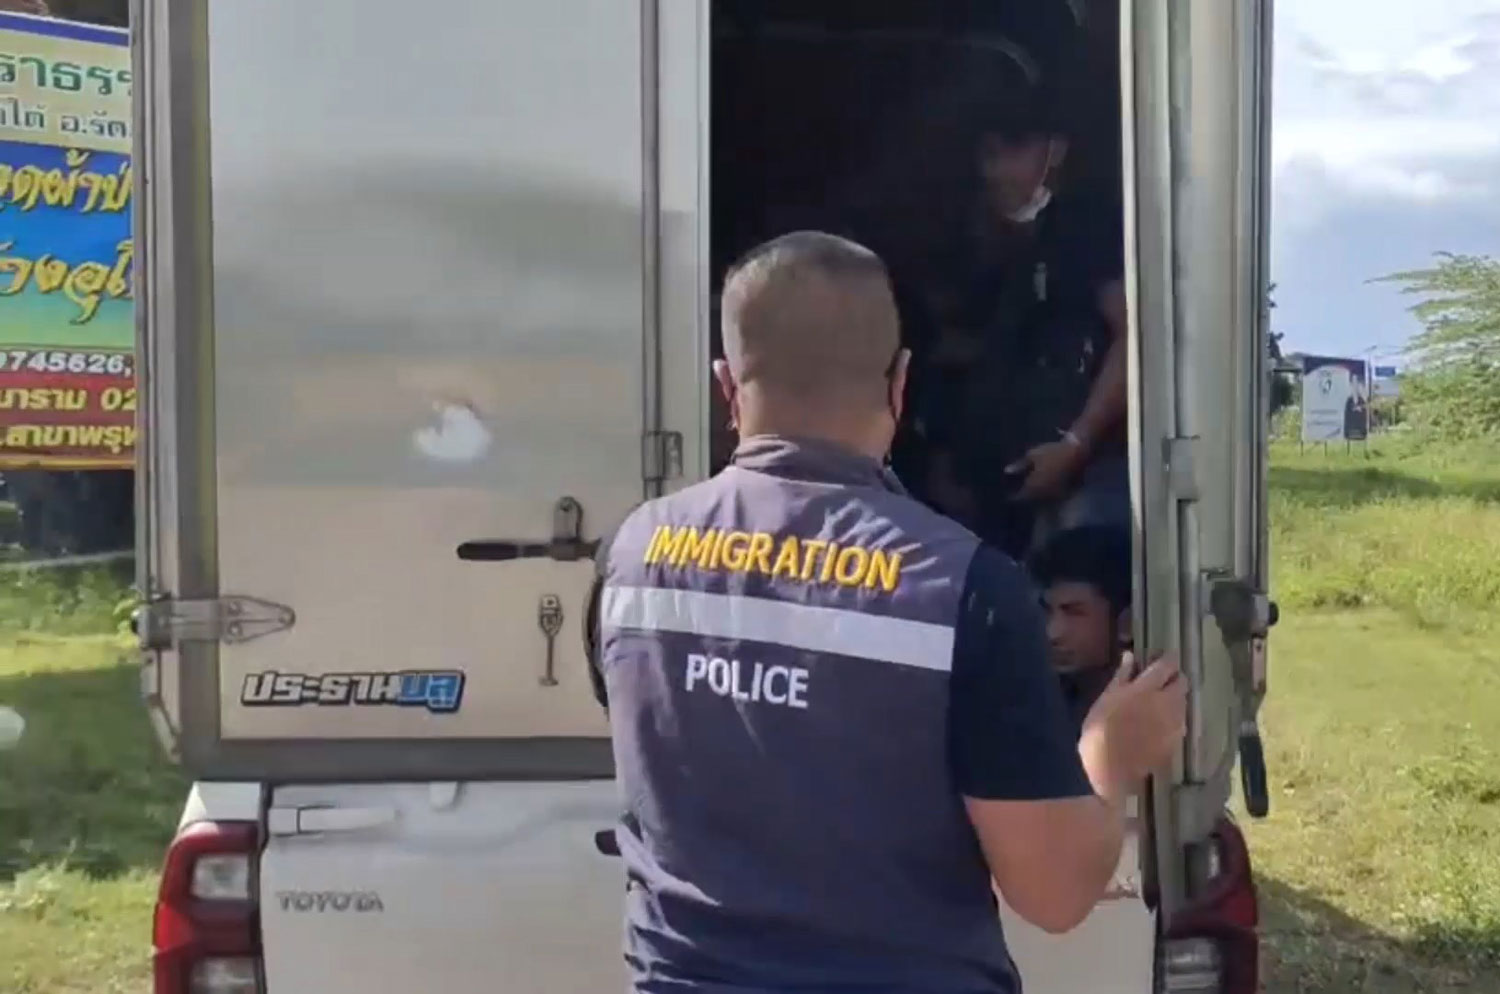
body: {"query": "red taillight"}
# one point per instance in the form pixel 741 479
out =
pixel 206 934
pixel 1213 947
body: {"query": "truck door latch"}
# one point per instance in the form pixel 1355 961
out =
pixel 1244 616
pixel 322 819
pixel 567 544
pixel 607 842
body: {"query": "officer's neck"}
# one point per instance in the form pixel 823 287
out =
pixel 871 440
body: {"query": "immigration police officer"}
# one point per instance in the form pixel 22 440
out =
pixel 834 721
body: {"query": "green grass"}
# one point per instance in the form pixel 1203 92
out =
pixel 93 600
pixel 86 807
pixel 1379 867
pixel 1379 861
pixel 1415 532
pixel 1380 864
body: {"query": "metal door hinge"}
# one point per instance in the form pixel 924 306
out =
pixel 167 623
pixel 1182 468
pixel 661 455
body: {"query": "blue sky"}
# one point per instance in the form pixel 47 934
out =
pixel 1387 150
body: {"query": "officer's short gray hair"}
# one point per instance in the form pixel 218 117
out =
pixel 811 318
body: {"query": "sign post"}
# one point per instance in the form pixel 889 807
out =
pixel 1335 399
pixel 1384 383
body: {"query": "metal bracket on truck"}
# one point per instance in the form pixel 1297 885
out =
pixel 166 623
pixel 661 456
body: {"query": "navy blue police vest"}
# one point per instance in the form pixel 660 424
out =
pixel 776 644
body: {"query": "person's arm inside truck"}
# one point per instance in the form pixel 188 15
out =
pixel 1102 258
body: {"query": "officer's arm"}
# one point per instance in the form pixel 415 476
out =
pixel 1051 842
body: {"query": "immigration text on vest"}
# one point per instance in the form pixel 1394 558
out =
pixel 803 559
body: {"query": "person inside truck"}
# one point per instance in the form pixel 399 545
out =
pixel 1033 344
pixel 835 726
pixel 1084 575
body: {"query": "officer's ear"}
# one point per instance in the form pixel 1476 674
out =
pixel 1124 628
pixel 730 388
pixel 897 385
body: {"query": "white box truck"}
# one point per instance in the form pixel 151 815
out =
pixel 415 277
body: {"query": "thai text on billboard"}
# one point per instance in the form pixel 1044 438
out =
pixel 67 376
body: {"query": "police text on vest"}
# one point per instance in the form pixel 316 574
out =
pixel 785 686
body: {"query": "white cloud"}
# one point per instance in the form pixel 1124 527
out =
pixel 1389 103
pixel 1386 150
pixel 1423 159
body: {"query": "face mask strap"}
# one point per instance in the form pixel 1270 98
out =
pixel 1041 197
pixel 890 385
pixel 890 403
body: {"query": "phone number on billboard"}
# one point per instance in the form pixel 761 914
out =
pixel 56 361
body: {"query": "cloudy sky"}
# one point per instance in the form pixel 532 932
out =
pixel 1387 150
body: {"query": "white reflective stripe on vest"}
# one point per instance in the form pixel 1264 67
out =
pixel 797 626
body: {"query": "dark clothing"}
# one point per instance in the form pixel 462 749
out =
pixel 1042 334
pixel 804 670
pixel 1081 689
pixel 1011 737
pixel 1031 310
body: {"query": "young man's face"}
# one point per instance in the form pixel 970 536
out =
pixel 1014 169
pixel 1082 628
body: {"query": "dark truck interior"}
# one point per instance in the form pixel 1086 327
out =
pixel 861 119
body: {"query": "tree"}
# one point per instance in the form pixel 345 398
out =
pixel 1454 387
pixel 112 12
pixel 1283 388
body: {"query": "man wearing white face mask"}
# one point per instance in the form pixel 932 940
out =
pixel 1039 337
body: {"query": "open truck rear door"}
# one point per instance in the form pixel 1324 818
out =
pixel 401 330
pixel 411 281
pixel 1196 84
